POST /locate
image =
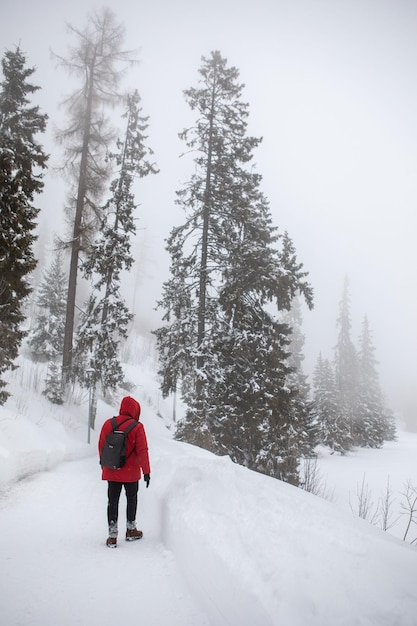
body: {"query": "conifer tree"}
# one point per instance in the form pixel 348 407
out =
pixel 333 430
pixel 352 410
pixel 293 318
pixel 22 160
pixel 46 339
pixel 298 380
pixel 98 60
pixel 346 365
pixel 53 386
pixel 221 343
pixel 106 317
pixel 374 422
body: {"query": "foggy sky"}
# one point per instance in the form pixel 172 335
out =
pixel 332 89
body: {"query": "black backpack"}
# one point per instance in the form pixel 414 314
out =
pixel 113 454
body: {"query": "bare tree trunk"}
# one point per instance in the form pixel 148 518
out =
pixel 76 239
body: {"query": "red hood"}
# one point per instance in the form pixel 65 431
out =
pixel 130 406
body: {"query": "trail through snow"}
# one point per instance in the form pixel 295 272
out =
pixel 56 569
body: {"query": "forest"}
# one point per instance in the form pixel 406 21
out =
pixel 231 341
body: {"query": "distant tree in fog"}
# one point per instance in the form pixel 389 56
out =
pixel 346 363
pixel 46 338
pixel 348 403
pixel 333 431
pixel 53 387
pixel 98 61
pixel 298 380
pixel 22 160
pixel 373 422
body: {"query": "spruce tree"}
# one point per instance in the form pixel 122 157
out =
pixel 221 342
pixel 333 430
pixel 346 365
pixel 22 160
pixel 106 317
pixel 46 339
pixel 373 423
pixel 298 380
pixel 53 387
pixel 98 60
pixel 293 318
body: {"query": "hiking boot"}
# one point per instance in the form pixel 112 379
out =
pixel 111 542
pixel 132 534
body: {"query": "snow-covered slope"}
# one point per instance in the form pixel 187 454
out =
pixel 222 545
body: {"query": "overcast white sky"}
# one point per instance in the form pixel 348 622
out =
pixel 332 88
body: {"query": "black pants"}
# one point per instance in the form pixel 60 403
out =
pixel 114 491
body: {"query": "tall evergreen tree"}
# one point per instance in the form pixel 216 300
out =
pixel 46 339
pixel 373 422
pixel 294 319
pixel 53 387
pixel 348 403
pixel 298 380
pixel 107 317
pixel 220 341
pixel 346 363
pixel 98 61
pixel 333 429
pixel 22 160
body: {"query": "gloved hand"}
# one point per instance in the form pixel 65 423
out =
pixel 147 479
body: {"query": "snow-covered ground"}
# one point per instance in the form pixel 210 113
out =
pixel 368 479
pixel 222 545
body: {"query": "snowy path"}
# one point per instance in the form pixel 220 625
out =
pixel 56 569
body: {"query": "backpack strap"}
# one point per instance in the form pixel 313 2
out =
pixel 116 426
pixel 127 430
pixel 131 426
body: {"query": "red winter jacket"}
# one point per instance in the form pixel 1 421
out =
pixel 136 440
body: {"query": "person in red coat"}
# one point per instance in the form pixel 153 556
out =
pixel 128 476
